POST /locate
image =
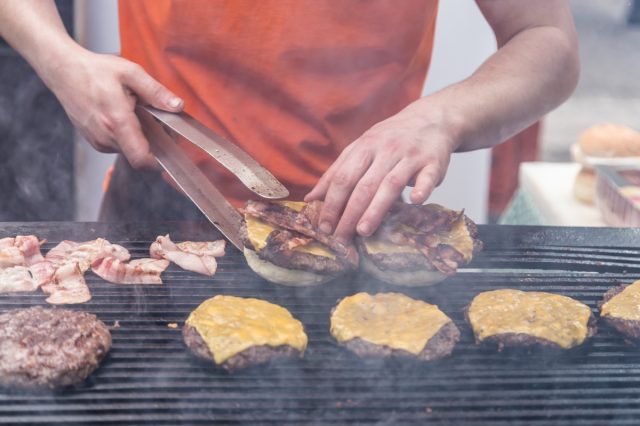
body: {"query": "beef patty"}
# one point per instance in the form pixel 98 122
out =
pixel 514 320
pixel 252 356
pixel 44 349
pixel 390 325
pixel 628 327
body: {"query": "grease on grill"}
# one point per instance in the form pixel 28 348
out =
pixel 389 319
pixel 230 325
pixel 551 317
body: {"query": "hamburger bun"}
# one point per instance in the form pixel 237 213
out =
pixel 610 140
pixel 584 187
pixel 419 245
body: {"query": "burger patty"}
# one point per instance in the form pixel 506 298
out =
pixel 275 253
pixel 439 346
pixel 408 262
pixel 252 356
pixel 527 341
pixel 44 349
pixel 627 327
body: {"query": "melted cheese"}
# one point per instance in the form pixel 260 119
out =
pixel 625 305
pixel 552 317
pixel 458 238
pixel 258 231
pixel 389 319
pixel 229 325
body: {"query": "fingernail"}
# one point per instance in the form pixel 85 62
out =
pixel 325 227
pixel 364 229
pixel 175 102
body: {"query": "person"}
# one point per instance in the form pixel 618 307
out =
pixel 324 94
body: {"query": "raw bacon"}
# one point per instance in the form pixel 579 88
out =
pixel 192 256
pixel 68 286
pixel 139 271
pixel 16 279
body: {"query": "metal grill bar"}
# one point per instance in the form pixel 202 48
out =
pixel 149 378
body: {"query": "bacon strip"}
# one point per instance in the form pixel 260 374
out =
pixel 68 286
pixel 304 222
pixel 139 271
pixel 197 257
pixel 16 279
pixel 85 253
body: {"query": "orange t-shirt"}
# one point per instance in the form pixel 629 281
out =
pixel 292 82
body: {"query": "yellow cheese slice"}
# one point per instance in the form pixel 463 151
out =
pixel 230 325
pixel 389 319
pixel 558 319
pixel 625 305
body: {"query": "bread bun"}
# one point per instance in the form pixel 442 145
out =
pixel 610 140
pixel 279 275
pixel 584 187
pixel 415 278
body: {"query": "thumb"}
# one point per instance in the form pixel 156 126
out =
pixel 151 92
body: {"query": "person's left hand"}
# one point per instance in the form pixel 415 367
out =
pixel 411 147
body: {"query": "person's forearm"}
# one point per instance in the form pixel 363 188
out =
pixel 529 76
pixel 34 29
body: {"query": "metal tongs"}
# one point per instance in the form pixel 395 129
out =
pixel 163 130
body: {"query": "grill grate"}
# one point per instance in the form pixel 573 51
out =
pixel 149 378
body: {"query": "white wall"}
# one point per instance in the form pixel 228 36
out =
pixel 96 27
pixel 463 41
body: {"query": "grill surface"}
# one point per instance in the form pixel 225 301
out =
pixel 149 378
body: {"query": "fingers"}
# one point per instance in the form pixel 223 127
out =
pixel 149 91
pixel 428 178
pixel 367 217
pixel 320 190
pixel 134 145
pixel 339 187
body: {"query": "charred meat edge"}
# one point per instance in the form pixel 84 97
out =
pixel 523 340
pixel 254 355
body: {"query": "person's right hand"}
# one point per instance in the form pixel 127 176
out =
pixel 99 93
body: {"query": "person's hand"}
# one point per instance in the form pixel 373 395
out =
pixel 411 147
pixel 99 94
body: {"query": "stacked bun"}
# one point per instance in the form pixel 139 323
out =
pixel 601 144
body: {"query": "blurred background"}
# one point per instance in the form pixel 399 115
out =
pixel 47 174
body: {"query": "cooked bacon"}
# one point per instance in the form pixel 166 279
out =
pixel 186 255
pixel 203 248
pixel 304 222
pixel 16 279
pixel 68 286
pixel 139 271
pixel 85 253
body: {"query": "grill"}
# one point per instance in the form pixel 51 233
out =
pixel 149 378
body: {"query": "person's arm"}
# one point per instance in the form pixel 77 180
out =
pixel 535 68
pixel 98 92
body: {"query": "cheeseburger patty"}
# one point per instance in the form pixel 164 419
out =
pixel 508 318
pixel 627 324
pixel 49 348
pixel 390 325
pixel 235 333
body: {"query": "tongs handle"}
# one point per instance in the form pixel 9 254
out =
pixel 233 158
